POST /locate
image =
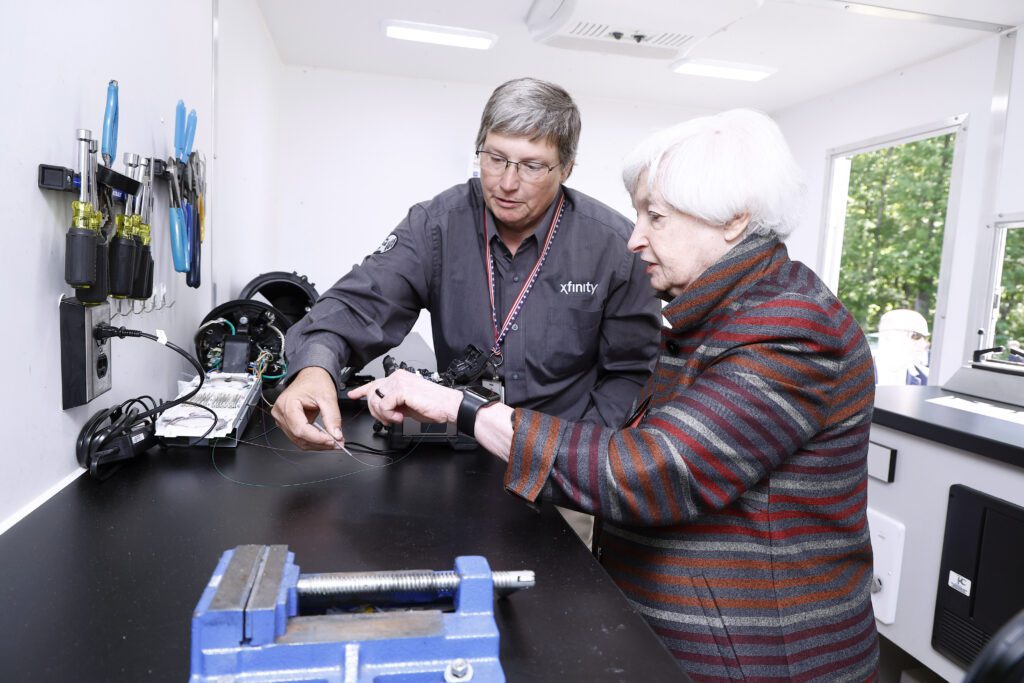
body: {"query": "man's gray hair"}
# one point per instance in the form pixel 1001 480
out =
pixel 717 167
pixel 534 109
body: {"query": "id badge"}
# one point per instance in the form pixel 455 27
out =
pixel 496 386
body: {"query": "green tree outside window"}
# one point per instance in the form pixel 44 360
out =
pixel 892 239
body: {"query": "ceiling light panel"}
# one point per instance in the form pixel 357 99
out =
pixel 452 36
pixel 713 68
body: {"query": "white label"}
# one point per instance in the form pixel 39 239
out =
pixel 138 437
pixel 961 584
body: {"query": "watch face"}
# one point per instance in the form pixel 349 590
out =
pixel 483 393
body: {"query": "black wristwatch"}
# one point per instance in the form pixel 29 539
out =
pixel 473 399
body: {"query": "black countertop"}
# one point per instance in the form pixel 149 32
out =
pixel 99 583
pixel 907 408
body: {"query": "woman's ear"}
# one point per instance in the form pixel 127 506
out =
pixel 737 227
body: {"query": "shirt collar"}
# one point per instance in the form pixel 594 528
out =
pixel 543 227
pixel 726 280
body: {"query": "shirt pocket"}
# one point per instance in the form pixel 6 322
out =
pixel 570 339
pixel 575 317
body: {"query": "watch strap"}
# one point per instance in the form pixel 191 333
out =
pixel 471 404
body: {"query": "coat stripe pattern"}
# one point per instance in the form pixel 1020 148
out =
pixel 734 513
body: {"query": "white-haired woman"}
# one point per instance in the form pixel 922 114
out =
pixel 733 502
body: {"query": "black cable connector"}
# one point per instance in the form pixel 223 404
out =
pixel 105 331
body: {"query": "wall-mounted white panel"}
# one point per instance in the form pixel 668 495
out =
pixel 887 536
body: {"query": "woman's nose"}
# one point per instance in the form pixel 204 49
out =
pixel 637 240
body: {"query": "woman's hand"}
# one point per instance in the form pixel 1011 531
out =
pixel 404 394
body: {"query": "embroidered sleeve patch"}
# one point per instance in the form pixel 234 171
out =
pixel 388 244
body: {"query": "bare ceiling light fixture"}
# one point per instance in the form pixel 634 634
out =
pixel 452 36
pixel 714 68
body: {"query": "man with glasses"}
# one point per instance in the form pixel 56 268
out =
pixel 514 263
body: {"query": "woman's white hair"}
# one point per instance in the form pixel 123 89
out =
pixel 715 168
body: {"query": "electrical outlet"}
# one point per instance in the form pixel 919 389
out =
pixel 84 361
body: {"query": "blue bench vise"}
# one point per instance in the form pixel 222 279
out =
pixel 247 627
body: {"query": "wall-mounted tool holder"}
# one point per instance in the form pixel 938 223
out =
pixel 107 253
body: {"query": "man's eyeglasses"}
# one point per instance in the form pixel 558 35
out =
pixel 528 170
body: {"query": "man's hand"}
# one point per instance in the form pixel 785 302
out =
pixel 311 393
pixel 404 394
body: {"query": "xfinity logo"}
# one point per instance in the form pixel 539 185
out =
pixel 571 287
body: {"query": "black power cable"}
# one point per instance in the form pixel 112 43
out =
pixel 120 432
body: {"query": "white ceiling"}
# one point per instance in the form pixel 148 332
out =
pixel 817 46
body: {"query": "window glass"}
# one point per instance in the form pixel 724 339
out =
pixel 891 250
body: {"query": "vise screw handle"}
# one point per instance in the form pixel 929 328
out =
pixel 409 581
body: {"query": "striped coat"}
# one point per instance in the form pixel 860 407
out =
pixel 734 512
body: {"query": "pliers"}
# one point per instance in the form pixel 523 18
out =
pixel 180 211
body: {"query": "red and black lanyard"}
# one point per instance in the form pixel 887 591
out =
pixel 513 313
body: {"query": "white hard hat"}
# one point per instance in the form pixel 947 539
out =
pixel 905 320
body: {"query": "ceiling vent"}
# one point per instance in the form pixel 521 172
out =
pixel 655 29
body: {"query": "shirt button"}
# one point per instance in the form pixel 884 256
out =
pixel 672 347
pixel 515 278
pixel 515 375
pixel 515 326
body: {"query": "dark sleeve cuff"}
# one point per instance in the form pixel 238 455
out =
pixel 316 355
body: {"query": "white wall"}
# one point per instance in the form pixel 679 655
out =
pixel 354 151
pixel 957 83
pixel 1009 197
pixel 244 187
pixel 56 58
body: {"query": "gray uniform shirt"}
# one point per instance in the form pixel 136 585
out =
pixel 582 345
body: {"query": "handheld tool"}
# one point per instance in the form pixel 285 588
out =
pixel 142 283
pixel 80 240
pixel 99 289
pixel 184 132
pixel 110 119
pixel 124 246
pixel 247 625
pixel 178 235
pixel 181 209
pixel 194 229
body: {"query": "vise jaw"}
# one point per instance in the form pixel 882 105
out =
pixel 247 628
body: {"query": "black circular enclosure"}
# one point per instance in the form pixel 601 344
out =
pixel 290 293
pixel 248 333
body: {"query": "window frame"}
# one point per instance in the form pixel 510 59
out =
pixel 838 163
pixel 1001 227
